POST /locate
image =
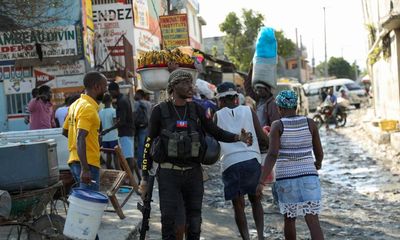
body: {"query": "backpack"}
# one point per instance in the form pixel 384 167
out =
pixel 141 120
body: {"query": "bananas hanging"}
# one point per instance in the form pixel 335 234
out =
pixel 164 57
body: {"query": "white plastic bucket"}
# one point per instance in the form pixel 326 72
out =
pixel 85 210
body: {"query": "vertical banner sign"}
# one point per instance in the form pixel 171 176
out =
pixel 88 31
pixel 141 13
pixel 174 31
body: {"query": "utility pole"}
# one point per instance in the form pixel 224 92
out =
pixel 299 59
pixel 168 6
pixel 356 70
pixel 313 58
pixel 326 55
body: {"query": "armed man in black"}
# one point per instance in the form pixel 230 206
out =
pixel 177 132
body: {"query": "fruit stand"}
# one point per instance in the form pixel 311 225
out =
pixel 153 65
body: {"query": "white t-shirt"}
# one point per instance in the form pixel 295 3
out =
pixel 60 115
pixel 233 120
pixel 107 116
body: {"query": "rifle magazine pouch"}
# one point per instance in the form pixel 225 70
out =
pixel 172 148
pixel 195 145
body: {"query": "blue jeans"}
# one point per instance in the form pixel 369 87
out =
pixel 94 173
pixel 141 138
pixel 178 187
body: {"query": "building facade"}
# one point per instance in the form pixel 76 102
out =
pixel 74 37
pixel 382 19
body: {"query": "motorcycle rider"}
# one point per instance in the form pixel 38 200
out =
pixel 331 102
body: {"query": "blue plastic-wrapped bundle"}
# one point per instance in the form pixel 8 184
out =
pixel 266 46
pixel 265 58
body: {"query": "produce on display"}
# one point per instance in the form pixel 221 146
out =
pixel 161 58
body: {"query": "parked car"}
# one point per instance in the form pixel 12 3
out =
pixel 313 93
pixel 302 108
pixel 356 94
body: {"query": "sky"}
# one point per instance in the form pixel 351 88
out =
pixel 346 34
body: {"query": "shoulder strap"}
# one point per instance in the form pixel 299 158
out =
pixel 164 110
pixel 192 110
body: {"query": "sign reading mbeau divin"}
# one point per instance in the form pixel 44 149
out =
pixel 56 42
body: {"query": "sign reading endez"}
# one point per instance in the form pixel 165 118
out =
pixel 174 30
pixel 56 42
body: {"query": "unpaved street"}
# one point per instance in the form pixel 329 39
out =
pixel 361 195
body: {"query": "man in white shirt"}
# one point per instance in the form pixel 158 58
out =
pixel 241 164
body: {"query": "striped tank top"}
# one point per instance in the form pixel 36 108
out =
pixel 295 157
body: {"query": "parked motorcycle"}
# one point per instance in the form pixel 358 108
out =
pixel 325 114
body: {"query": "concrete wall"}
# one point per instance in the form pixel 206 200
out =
pixel 386 82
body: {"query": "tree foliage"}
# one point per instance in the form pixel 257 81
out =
pixel 241 34
pixel 36 14
pixel 339 67
pixel 286 47
pixel 320 69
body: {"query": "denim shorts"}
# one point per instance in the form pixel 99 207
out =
pixel 127 146
pixel 109 144
pixel 241 178
pixel 299 196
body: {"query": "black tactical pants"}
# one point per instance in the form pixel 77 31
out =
pixel 178 189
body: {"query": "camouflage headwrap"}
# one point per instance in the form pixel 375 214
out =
pixel 176 77
pixel 287 99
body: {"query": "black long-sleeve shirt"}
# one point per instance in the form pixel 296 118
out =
pixel 155 130
pixel 124 113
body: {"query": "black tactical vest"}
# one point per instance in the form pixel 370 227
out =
pixel 179 145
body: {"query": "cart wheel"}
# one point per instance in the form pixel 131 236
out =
pixel 48 227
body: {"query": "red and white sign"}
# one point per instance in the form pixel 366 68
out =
pixel 42 77
pixel 111 21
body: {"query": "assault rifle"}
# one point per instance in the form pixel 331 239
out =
pixel 145 208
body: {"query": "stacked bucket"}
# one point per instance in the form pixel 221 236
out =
pixel 265 58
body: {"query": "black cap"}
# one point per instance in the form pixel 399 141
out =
pixel 113 86
pixel 226 89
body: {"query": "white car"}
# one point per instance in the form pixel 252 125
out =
pixel 356 94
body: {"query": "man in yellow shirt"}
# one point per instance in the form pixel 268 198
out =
pixel 81 127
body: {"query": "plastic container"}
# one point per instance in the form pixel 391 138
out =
pixel 388 125
pixel 85 210
pixel 264 71
pixel 154 79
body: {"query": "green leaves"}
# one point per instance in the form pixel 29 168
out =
pixel 241 34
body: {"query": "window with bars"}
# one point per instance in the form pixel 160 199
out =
pixel 18 103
